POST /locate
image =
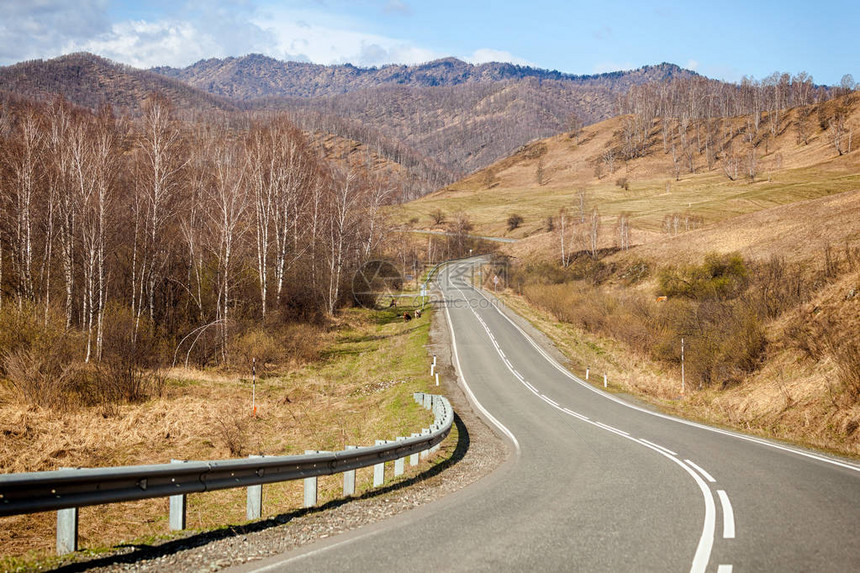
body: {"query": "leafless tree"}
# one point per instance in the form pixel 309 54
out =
pixel 24 157
pixel 162 159
pixel 228 202
pixel 562 233
pixel 594 231
pixel 582 204
pixel 623 227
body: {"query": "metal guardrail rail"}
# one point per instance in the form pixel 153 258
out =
pixel 71 488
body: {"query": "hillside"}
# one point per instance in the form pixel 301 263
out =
pixel 547 175
pixel 91 81
pixel 769 334
pixel 463 116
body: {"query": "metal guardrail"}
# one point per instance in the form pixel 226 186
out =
pixel 71 488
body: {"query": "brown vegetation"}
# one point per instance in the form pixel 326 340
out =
pixel 345 395
pixel 126 243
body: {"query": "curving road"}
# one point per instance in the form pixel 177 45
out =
pixel 597 484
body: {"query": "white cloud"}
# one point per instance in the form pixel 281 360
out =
pixel 147 44
pixel 485 55
pixel 32 29
pixel 328 39
pixel 692 65
pixel 48 28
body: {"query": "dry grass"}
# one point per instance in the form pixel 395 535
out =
pixel 788 173
pixel 359 391
pixel 804 201
pixel 793 396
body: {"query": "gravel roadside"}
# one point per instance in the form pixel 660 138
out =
pixel 477 453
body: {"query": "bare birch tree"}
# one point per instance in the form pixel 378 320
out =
pixel 228 203
pixel 594 231
pixel 162 160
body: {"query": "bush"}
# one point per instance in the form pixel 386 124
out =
pixel 725 338
pixel 130 367
pixel 437 216
pixel 275 345
pixel 623 182
pixel 720 276
pixel 847 357
pixel 514 221
pixel 38 356
pixel 48 377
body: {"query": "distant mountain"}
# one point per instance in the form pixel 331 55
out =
pixel 439 121
pixel 91 81
pixel 255 76
pixel 464 116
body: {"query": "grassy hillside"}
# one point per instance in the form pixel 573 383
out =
pixel 761 272
pixel 547 175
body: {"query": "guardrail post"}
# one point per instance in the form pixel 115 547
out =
pixel 435 448
pixel 428 401
pixel 178 506
pixel 349 478
pixel 310 487
pixel 413 459
pixel 425 453
pixel 399 463
pixel 67 529
pixel 254 503
pixel 379 469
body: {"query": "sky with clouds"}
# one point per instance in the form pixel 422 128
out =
pixel 727 39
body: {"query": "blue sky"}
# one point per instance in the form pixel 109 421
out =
pixel 727 39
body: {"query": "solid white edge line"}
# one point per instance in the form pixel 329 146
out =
pixel 279 565
pixel 667 450
pixel 575 414
pixel 706 541
pixel 724 569
pixel 611 428
pixel 728 515
pixel 701 471
pixel 608 396
pixel 471 394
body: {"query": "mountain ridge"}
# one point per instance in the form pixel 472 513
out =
pixel 255 75
pixel 91 81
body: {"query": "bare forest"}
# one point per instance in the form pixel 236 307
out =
pixel 130 242
pixel 696 121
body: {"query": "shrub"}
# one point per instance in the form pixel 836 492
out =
pixel 847 357
pixel 623 182
pixel 720 276
pixel 275 345
pixel 130 367
pixel 514 221
pixel 232 430
pixel 437 216
pixel 47 377
pixel 38 356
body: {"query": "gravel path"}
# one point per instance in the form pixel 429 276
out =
pixel 477 452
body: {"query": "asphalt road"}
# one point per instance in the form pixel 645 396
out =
pixel 597 484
